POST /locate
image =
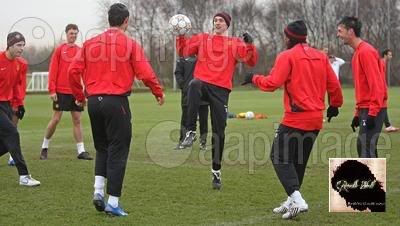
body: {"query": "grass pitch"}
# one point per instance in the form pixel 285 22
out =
pixel 167 187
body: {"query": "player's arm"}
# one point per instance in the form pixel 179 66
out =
pixel 247 51
pixel 75 71
pixel 340 61
pixel 53 73
pixel 372 72
pixel 186 46
pixel 19 92
pixel 143 71
pixel 277 77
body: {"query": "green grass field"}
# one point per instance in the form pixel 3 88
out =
pixel 167 187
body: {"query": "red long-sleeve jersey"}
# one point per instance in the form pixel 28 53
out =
pixel 383 67
pixel 369 83
pixel 109 63
pixel 306 75
pixel 58 70
pixel 13 80
pixel 217 56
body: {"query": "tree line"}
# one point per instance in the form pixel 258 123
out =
pixel 265 21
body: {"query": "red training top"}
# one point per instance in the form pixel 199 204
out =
pixel 13 80
pixel 369 85
pixel 58 70
pixel 217 56
pixel 109 63
pixel 306 75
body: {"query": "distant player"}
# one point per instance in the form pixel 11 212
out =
pixel 386 57
pixel 217 55
pixel 108 64
pixel 306 75
pixel 12 85
pixel 61 94
pixel 184 74
pixel 369 86
pixel 336 62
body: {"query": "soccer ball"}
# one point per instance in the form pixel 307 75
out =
pixel 179 24
pixel 249 115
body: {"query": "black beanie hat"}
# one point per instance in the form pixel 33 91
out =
pixel 296 30
pixel 14 37
pixel 226 17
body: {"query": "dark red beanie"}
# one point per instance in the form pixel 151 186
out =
pixel 296 30
pixel 226 17
pixel 14 37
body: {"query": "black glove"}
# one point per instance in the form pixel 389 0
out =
pixel 370 122
pixel 355 123
pixel 20 112
pixel 332 112
pixel 247 38
pixel 248 78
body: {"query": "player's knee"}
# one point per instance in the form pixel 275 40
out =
pixel 56 120
pixel 13 133
pixel 76 120
pixel 275 156
pixel 271 155
pixel 195 83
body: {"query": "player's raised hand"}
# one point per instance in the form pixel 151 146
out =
pixel 247 38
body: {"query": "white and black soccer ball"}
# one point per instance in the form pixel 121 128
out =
pixel 180 24
pixel 249 115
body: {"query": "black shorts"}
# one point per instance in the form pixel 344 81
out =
pixel 66 102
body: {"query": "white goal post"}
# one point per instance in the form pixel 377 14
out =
pixel 37 82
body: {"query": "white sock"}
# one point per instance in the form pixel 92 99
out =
pixel 99 182
pixel 45 143
pixel 22 177
pixel 216 171
pixel 113 201
pixel 296 196
pixel 10 158
pixel 80 147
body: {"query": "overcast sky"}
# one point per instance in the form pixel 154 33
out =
pixel 42 22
